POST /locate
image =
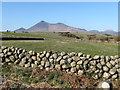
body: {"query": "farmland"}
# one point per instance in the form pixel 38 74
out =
pixel 53 41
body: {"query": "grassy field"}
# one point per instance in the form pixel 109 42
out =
pixel 58 43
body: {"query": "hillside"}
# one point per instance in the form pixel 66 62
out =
pixel 49 27
pixel 20 30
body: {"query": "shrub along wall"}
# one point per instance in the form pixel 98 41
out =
pixel 96 67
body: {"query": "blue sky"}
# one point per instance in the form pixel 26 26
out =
pixel 86 15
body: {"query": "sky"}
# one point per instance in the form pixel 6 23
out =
pixel 85 15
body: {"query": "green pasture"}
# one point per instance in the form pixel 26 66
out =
pixel 66 46
pixel 58 43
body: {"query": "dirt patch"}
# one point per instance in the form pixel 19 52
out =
pixel 41 85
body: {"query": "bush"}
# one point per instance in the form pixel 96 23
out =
pixel 91 37
pixel 117 38
pixel 102 38
pixel 67 34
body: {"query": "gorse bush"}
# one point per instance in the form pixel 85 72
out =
pixel 91 37
pixel 103 38
pixel 117 38
pixel 67 34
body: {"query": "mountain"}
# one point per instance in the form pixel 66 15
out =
pixel 104 32
pixel 118 32
pixel 109 32
pixel 60 27
pixel 39 27
pixel 20 30
pixel 48 27
pixel 95 31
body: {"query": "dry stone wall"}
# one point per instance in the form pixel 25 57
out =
pixel 96 67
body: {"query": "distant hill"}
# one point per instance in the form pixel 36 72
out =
pixel 48 27
pixel 60 27
pixel 20 30
pixel 109 32
pixel 104 32
pixel 94 31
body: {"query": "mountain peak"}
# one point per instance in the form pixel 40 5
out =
pixel 22 28
pixel 59 23
pixel 43 21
